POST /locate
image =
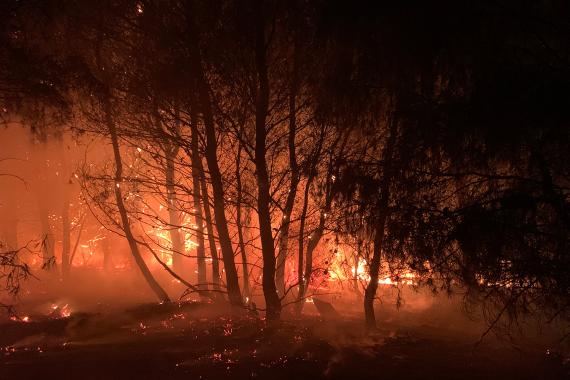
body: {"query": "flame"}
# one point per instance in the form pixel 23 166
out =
pixel 65 311
pixel 58 311
pixel 340 269
pixel 164 241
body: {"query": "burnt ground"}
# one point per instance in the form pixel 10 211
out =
pixel 190 341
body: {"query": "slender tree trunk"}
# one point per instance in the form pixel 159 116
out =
pixel 272 301
pixel 357 256
pixel 66 234
pixel 288 210
pixel 295 174
pixel 48 246
pixel 203 94
pixel 198 169
pixel 197 199
pixel 234 293
pixel 382 214
pixel 178 250
pixel 315 237
pixel 77 240
pixel 314 240
pixel 65 221
pixel 301 277
pixel 211 236
pixel 282 254
pixel 370 292
pixel 240 227
pixel 154 285
pixel 304 277
pixel 107 260
pixel 47 234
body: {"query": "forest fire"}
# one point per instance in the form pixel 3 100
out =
pixel 298 189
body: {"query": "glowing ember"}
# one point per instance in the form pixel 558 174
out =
pixel 24 319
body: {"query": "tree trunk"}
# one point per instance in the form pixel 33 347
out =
pixel 234 293
pixel 77 240
pixel 198 169
pixel 301 243
pixel 317 234
pixel 272 301
pixel 65 221
pixel 314 240
pixel 355 279
pixel 66 234
pixel 304 277
pixel 197 198
pixel 106 247
pixel 210 229
pixel 47 234
pixel 203 94
pixel 154 285
pixel 295 174
pixel 239 225
pixel 370 292
pixel 178 250
pixel 282 254
pixel 382 214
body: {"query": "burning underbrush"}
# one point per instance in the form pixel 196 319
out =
pixel 210 341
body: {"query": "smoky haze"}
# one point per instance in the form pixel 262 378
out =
pixel 265 188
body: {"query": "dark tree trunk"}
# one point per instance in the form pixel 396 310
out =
pixel 370 292
pixel 295 173
pixel 357 256
pixel 107 259
pixel 65 221
pixel 240 227
pixel 178 250
pixel 288 210
pixel 315 237
pixel 381 215
pixel 77 240
pixel 314 240
pixel 198 169
pixel 210 229
pixel 272 301
pixel 197 200
pixel 125 224
pixel 234 293
pixel 47 234
pixel 282 253
pixel 304 277
pixel 66 234
pixel 202 90
pixel 301 277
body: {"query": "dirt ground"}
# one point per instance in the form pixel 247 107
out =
pixel 198 341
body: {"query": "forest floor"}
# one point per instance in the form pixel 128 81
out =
pixel 194 341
